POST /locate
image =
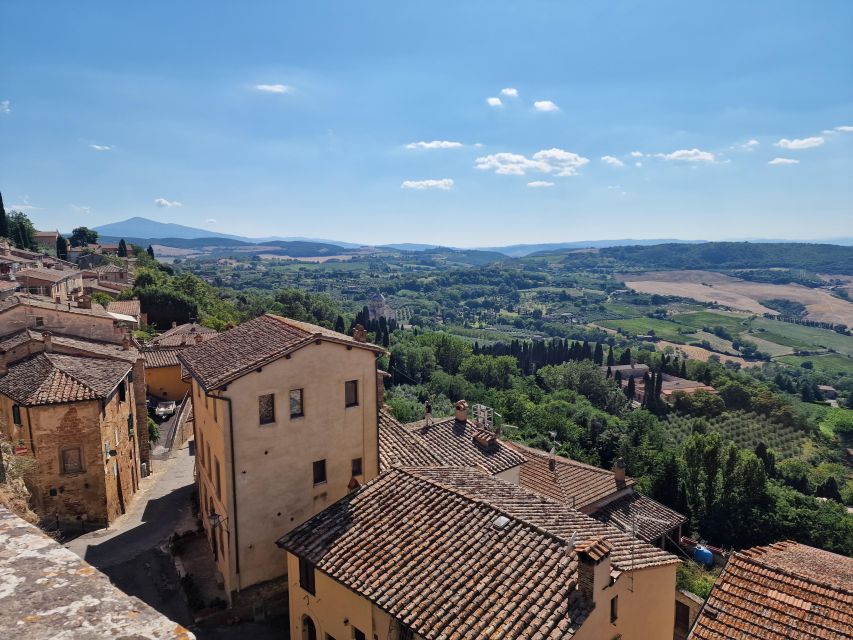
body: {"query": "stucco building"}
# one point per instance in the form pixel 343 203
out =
pixel 52 283
pixel 164 376
pixel 439 552
pixel 286 424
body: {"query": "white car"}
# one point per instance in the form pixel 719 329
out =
pixel 165 409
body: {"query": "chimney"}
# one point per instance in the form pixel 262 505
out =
pixel 47 336
pixel 199 338
pixel 552 459
pixel 619 470
pixel 462 411
pixel 174 324
pixel 593 567
pixel 125 343
pixel 58 299
pixel 3 368
pixel 359 333
pixel 85 302
pixel 380 387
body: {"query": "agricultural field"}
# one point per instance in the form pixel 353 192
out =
pixel 744 429
pixel 707 286
pixel 734 323
pixel 801 337
pixel 699 353
pixel 833 364
pixel 663 329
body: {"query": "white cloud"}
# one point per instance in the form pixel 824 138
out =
pixel 843 128
pixel 81 209
pixel 553 161
pixel 24 206
pixel 434 144
pixel 800 143
pixel 783 161
pixel 210 221
pixel 538 184
pixel 638 164
pixel 5 106
pixel 636 154
pixel 749 145
pixel 273 88
pixel 545 105
pixel 509 92
pixel 494 102
pixel 444 184
pixel 613 161
pixel 163 203
pixel 101 147
pixel 688 155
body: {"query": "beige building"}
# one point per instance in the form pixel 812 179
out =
pixel 164 374
pixel 439 552
pixel 51 283
pixel 286 425
pixel 75 416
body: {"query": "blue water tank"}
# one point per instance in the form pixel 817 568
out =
pixel 703 555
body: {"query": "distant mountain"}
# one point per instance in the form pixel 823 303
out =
pixel 409 246
pixel 521 250
pixel 146 229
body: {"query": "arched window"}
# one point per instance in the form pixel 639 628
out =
pixel 309 631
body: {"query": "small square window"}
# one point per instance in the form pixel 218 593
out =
pixel 356 467
pixel 266 408
pixel 306 575
pixel 39 321
pixel 319 472
pixel 296 407
pixel 72 460
pixel 351 393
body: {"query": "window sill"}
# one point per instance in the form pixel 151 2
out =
pixel 350 406
pixel 296 416
pixel 321 484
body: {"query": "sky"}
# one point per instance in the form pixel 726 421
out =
pixel 471 123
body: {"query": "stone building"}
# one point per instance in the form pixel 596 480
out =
pixel 286 424
pixel 55 284
pixel 76 417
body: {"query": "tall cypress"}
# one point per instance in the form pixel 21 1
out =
pixel 4 221
pixel 122 248
pixel 598 355
pixel 610 359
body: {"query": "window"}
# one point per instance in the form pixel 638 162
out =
pixel 356 467
pixel 215 415
pixel 16 414
pixel 266 408
pixel 358 634
pixel 122 392
pixel 405 633
pixel 296 408
pixel 306 575
pixel 207 460
pixel 39 321
pixel 218 480
pixel 614 608
pixel 319 472
pixel 351 393
pixel 72 460
pixel 201 449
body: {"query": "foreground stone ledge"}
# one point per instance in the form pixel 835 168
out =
pixel 46 591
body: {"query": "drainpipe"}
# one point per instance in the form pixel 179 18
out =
pixel 233 491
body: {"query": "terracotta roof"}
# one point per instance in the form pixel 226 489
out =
pixel 45 275
pixel 399 446
pixel 233 353
pixel 435 558
pixel 127 307
pixel 157 358
pixel 784 590
pixel 50 378
pixel 571 482
pixel 550 515
pixel 90 347
pixel 108 268
pixel 651 518
pixel 6 285
pixel 41 302
pixel 184 335
pixel 188 327
pixel 454 444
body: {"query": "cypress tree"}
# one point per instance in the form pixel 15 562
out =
pixel 618 378
pixel 625 358
pixel 610 359
pixel 150 250
pixel 4 221
pixel 598 356
pixel 609 373
pixel 62 248
pixel 630 389
pixel 339 324
pixel 122 248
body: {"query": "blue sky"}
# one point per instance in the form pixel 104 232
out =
pixel 545 121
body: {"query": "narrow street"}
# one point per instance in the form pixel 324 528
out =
pixel 129 551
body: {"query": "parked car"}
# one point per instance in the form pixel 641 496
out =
pixel 165 409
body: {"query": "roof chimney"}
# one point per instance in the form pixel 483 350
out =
pixel 619 470
pixel 125 343
pixel 199 338
pixel 552 459
pixel 359 333
pixel 58 299
pixel 462 411
pixel 174 324
pixel 47 337
pixel 4 369
pixel 85 302
pixel 593 566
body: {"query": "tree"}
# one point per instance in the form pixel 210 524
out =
pixel 4 221
pixel 122 248
pixel 83 236
pixel 625 358
pixel 610 359
pixel 630 388
pixel 829 489
pixel 767 457
pixel 62 248
pixel 22 233
pixel 598 355
pixel 150 251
